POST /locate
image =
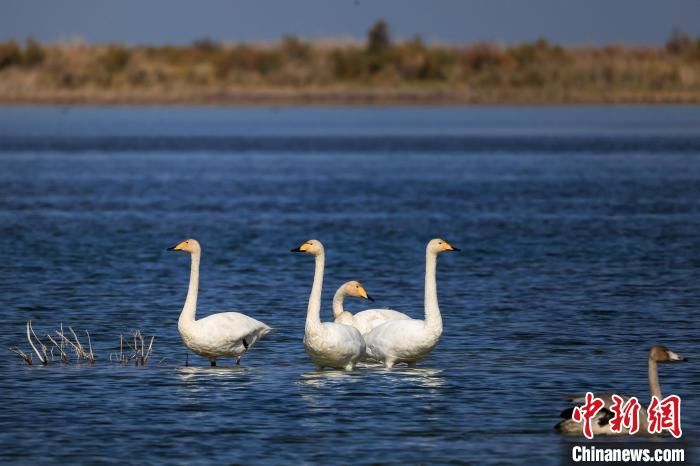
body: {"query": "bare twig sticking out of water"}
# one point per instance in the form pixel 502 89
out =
pixel 64 357
pixel 138 351
pixel 78 348
pixel 59 343
pixel 43 356
pixel 25 357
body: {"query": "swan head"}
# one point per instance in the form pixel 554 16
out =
pixel 313 247
pixel 189 245
pixel 662 354
pixel 355 288
pixel 438 245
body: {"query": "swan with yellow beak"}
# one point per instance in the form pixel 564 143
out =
pixel 226 334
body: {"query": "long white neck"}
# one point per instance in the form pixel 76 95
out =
pixel 313 313
pixel 187 316
pixel 654 386
pixel 433 320
pixel 338 299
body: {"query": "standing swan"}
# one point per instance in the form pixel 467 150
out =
pixel 600 424
pixel 411 340
pixel 363 321
pixel 327 343
pixel 225 334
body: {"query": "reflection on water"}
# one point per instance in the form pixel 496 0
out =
pixel 194 374
pixel 579 254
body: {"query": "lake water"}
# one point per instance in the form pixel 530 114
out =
pixel 580 230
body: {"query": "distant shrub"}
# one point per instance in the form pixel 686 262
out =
pixel 33 54
pixel 349 64
pixel 206 45
pixel 115 59
pixel 10 54
pixel 247 59
pixel 295 49
pixel 378 39
pixel 678 43
pixel 480 56
pixel 539 51
pixel 416 62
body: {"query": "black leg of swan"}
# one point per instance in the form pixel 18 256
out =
pixel 213 362
pixel 238 360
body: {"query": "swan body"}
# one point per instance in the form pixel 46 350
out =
pixel 363 321
pixel 328 344
pixel 226 334
pixel 600 423
pixel 411 340
pixel 367 320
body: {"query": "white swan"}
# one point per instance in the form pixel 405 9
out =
pixel 225 334
pixel 327 343
pixel 600 424
pixel 411 340
pixel 366 320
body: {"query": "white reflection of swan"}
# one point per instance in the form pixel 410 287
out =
pixel 214 372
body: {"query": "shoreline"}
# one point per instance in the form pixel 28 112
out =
pixel 322 98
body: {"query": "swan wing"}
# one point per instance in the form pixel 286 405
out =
pixel 600 423
pixel 403 340
pixel 367 320
pixel 230 332
pixel 343 339
pixel 335 345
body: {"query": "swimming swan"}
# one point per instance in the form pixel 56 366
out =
pixel 600 424
pixel 364 321
pixel 225 334
pixel 327 343
pixel 411 340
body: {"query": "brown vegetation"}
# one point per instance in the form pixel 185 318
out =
pixel 380 71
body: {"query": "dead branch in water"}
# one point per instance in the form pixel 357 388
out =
pixel 43 357
pixel 64 357
pixel 59 344
pixel 138 351
pixel 25 357
pixel 78 348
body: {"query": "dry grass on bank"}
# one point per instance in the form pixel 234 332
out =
pixel 294 71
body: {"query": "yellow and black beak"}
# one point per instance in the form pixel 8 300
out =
pixel 303 248
pixel 177 247
pixel 364 294
pixel 448 247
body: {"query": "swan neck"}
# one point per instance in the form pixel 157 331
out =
pixel 654 387
pixel 190 308
pixel 338 299
pixel 433 318
pixel 313 313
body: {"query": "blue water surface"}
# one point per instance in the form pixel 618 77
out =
pixel 580 230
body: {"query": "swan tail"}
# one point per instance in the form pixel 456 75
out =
pixel 568 426
pixel 567 413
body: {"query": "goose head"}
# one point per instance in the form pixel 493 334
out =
pixel 190 246
pixel 438 245
pixel 312 247
pixel 355 288
pixel 662 354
